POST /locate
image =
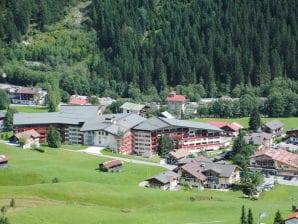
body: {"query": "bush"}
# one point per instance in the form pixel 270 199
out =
pixel 12 203
pixel 55 180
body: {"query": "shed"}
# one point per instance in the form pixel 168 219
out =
pixel 3 161
pixel 111 166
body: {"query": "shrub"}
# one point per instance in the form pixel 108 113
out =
pixel 55 180
pixel 12 203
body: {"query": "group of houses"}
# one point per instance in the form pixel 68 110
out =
pixel 196 173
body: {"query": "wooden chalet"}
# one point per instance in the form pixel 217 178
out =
pixel 111 166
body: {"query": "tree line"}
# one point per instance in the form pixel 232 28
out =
pixel 143 49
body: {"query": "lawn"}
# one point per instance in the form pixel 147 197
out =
pixel 85 195
pixel 30 109
pixel 153 159
pixel 290 122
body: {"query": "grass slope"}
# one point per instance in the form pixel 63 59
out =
pixel 30 109
pixel 86 195
pixel 289 122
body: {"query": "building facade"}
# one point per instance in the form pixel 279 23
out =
pixel 194 136
pixel 277 161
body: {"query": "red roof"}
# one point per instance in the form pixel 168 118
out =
pixel 292 216
pixel 28 134
pixel 279 155
pixel 112 163
pixel 220 124
pixel 27 90
pixel 78 100
pixel 173 97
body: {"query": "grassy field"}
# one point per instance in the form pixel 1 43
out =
pixel 30 109
pixel 85 195
pixel 290 122
pixel 154 158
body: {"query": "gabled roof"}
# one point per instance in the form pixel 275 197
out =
pixel 164 177
pixel 115 124
pixel 257 137
pixel 132 106
pixel 292 216
pixel 179 153
pixel 160 122
pixel 28 134
pixel 197 169
pixel 279 155
pixel 194 170
pixel 190 160
pixel 68 114
pixel 112 163
pixel 173 97
pixel 27 90
pixel 220 124
pixel 275 124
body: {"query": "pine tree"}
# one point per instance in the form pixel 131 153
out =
pixel 278 219
pixel 254 120
pixel 54 138
pixel 249 217
pixel 243 216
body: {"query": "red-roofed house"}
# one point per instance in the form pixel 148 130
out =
pixel 111 166
pixel 292 218
pixel 79 100
pixel 176 103
pixel 229 129
pixel 279 161
pixel 31 138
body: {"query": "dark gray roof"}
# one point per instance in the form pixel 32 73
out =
pixel 197 169
pixel 67 115
pixel 224 170
pixel 151 124
pixel 160 122
pixel 164 177
pixel 190 124
pixel 115 124
pixel 275 124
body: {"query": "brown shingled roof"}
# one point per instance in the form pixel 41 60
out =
pixel 28 134
pixel 279 155
pixel 112 163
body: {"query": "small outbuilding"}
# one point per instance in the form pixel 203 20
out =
pixel 3 161
pixel 30 137
pixel 111 166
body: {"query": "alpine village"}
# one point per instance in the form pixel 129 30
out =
pixel 148 111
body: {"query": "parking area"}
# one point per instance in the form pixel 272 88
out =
pixel 281 180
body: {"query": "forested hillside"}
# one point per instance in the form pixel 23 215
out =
pixel 218 43
pixel 146 47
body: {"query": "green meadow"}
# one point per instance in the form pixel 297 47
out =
pixel 85 195
pixel 30 109
pixel 289 122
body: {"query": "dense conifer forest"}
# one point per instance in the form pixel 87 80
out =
pixel 143 48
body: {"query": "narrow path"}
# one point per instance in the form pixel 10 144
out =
pixel 93 150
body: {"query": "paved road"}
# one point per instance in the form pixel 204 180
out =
pixel 93 150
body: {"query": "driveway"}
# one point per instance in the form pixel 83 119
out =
pixel 94 150
pixel 280 180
